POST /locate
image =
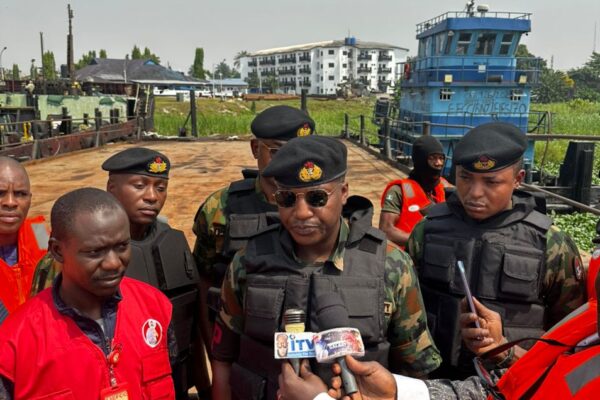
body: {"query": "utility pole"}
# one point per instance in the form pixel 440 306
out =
pixel 42 74
pixel 70 62
pixel 595 35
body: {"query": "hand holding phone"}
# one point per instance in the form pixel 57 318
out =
pixel 465 282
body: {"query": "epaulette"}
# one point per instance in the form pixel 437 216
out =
pixel 243 185
pixel 539 220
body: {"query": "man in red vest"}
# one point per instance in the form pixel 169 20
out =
pixel 404 202
pixel 94 334
pixel 23 241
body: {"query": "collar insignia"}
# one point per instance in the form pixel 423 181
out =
pixel 157 166
pixel 484 163
pixel 304 130
pixel 310 172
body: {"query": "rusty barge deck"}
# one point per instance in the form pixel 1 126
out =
pixel 198 169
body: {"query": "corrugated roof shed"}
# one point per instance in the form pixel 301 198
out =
pixel 111 70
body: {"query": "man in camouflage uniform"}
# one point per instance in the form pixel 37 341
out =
pixel 315 252
pixel 517 263
pixel 227 217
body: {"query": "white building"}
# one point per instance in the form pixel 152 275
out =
pixel 321 67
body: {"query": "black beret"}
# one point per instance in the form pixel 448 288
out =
pixel 282 123
pixel 490 147
pixel 138 161
pixel 308 161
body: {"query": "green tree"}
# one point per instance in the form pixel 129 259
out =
pixel 587 79
pixel 197 69
pixel 85 59
pixel 148 55
pixel 224 71
pixel 136 54
pixel 48 66
pixel 252 80
pixel 238 57
pixel 102 54
pixel 16 72
pixel 554 86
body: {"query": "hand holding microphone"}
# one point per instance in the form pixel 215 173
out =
pixel 336 340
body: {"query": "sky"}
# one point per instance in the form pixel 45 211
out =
pixel 173 29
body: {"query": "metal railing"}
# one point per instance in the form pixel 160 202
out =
pixel 430 23
pixel 354 129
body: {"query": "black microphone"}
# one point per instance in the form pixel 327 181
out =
pixel 331 314
pixel 293 322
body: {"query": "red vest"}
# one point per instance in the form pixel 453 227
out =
pixel 15 281
pixel 414 199
pixel 45 354
pixel 528 370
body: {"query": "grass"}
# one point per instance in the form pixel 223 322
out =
pixel 233 117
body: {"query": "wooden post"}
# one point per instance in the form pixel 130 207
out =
pixel 363 138
pixel 98 122
pixel 386 135
pixel 303 98
pixel 86 119
pixel 346 133
pixel 426 128
pixel 193 113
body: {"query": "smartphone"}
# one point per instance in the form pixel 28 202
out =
pixel 465 282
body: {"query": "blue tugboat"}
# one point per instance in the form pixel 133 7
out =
pixel 465 74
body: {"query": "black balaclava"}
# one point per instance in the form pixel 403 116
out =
pixel 422 172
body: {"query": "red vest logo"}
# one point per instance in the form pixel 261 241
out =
pixel 152 332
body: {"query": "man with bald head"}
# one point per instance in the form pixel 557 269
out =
pixel 23 241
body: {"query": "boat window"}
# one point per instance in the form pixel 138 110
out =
pixel 422 48
pixel 485 43
pixel 449 42
pixel 446 94
pixel 507 39
pixel 464 39
pixel 440 40
pixel 428 44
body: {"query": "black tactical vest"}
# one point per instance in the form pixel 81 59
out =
pixel 163 259
pixel 276 282
pixel 504 258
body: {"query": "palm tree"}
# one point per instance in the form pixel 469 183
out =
pixel 238 57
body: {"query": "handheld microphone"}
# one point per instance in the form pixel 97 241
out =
pixel 331 314
pixel 293 322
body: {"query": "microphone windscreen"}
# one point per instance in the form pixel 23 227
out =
pixel 331 311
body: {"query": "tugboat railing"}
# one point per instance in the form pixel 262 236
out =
pixel 430 23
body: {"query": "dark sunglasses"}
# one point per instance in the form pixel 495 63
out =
pixel 314 198
pixel 272 150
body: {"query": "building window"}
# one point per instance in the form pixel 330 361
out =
pixel 331 77
pixel 485 43
pixel 505 44
pixel 331 52
pixel 464 39
pixel 331 65
pixel 344 78
pixel 345 53
pixel 321 79
pixel 344 65
pixel 446 94
pixel 516 94
pixel 321 53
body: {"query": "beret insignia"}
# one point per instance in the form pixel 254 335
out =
pixel 484 163
pixel 157 166
pixel 304 130
pixel 310 172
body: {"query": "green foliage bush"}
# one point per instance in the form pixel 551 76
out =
pixel 580 226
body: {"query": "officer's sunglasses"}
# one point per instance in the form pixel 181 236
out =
pixel 314 198
pixel 272 150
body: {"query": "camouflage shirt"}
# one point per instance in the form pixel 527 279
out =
pixel 412 351
pixel 46 270
pixel 210 226
pixel 564 285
